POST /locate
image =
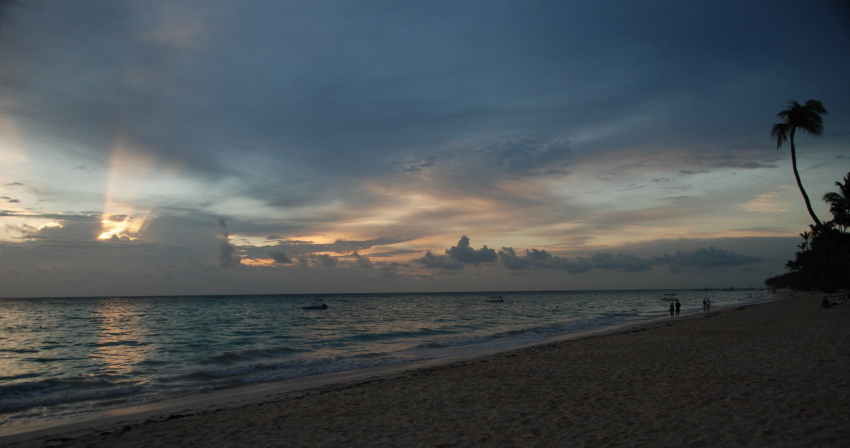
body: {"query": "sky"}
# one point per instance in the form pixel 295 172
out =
pixel 173 147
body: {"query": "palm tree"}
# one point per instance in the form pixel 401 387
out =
pixel 808 119
pixel 805 244
pixel 839 203
pixel 791 265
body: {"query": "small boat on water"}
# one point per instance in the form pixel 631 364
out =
pixel 318 304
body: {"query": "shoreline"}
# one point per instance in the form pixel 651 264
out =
pixel 250 394
pixel 236 403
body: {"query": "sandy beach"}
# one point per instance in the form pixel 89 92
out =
pixel 773 374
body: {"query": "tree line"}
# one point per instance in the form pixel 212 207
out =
pixel 820 264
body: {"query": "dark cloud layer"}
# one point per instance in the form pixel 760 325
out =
pixel 700 258
pixel 324 93
pixel 709 257
pixel 338 246
pixel 534 258
pixel 432 261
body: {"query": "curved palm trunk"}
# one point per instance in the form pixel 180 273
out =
pixel 800 183
pixel 820 226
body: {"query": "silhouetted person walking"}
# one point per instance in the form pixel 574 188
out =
pixel 672 309
pixel 678 305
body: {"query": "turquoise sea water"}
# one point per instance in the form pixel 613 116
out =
pixel 63 357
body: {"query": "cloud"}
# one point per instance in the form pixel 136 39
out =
pixel 339 246
pixel 280 257
pixel 309 261
pixel 357 261
pixel 392 253
pixel 78 231
pixel 62 232
pixel 82 216
pixel 324 260
pixel 705 258
pixel 746 158
pixel 744 165
pixel 417 165
pixel 709 257
pixel 458 256
pixel 432 261
pixel 625 262
pixel 120 239
pixel 528 154
pixel 357 89
pixel 361 261
pixel 227 257
pixel 534 258
pixel 467 255
pixel 391 269
pixel 410 119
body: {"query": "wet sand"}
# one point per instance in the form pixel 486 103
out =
pixel 774 374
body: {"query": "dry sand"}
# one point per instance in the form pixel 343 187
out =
pixel 774 374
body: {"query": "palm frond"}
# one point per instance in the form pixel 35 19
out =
pixel 816 106
pixel 792 106
pixel 780 133
pixel 804 117
pixel 811 123
pixel 832 197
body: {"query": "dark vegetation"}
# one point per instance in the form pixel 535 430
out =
pixel 823 261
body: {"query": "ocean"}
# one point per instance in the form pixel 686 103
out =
pixel 68 357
